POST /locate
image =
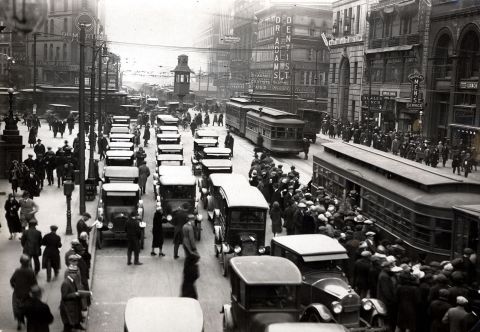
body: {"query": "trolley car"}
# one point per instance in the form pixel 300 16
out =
pixel 282 132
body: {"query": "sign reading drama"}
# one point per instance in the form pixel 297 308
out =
pixel 282 48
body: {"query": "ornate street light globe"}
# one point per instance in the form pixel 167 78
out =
pixel 23 15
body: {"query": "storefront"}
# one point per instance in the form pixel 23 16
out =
pixel 408 200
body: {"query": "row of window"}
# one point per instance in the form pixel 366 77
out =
pixel 298 54
pixel 346 22
pixel 48 52
pixel 49 26
pixel 393 25
pixel 354 77
pixel 274 132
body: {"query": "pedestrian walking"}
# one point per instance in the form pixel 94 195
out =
pixel 206 120
pixel 455 315
pixel 190 267
pixel 31 243
pixel 146 135
pixel 220 119
pixel 102 146
pixel 437 310
pixel 193 127
pixel 408 296
pixel 306 147
pixel 28 208
pixel 32 136
pixel 51 254
pixel 12 206
pixel 215 119
pixel 276 217
pixel 71 301
pixel 39 166
pixel 14 175
pixel 32 183
pixel 143 174
pixel 55 125
pixel 70 124
pixel 22 281
pixel 229 141
pixel 133 231
pixel 82 224
pixel 140 156
pixel 61 127
pixel 59 165
pixel 360 273
pixel 157 232
pixel 39 148
pixel 49 164
pixel 38 313
pixel 179 218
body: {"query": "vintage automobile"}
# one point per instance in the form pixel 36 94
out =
pixel 166 120
pixel 129 110
pixel 167 130
pixel 129 146
pixel 205 133
pixel 119 129
pixel 169 170
pixel 210 193
pixel 169 159
pixel 305 327
pixel 259 297
pixel 217 153
pixel 124 174
pixel 59 111
pixel 239 223
pixel 121 137
pixel 121 119
pixel 173 190
pixel 170 138
pixel 325 292
pixel 119 158
pixel 199 145
pixel 118 202
pixel 153 314
pixel 209 167
pixel 170 149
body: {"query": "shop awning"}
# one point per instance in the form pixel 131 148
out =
pixel 462 126
pixel 390 49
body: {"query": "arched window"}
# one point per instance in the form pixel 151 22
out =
pixel 57 53
pixel 469 48
pixel 64 52
pixel 45 27
pixel 443 62
pixel 50 52
pixel 52 29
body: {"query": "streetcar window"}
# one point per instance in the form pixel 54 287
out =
pixel 280 132
pixel 290 132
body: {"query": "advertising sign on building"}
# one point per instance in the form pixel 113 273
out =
pixel 415 101
pixel 374 101
pixel 282 47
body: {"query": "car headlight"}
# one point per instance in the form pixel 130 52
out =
pixel 261 250
pixel 199 217
pixel 110 225
pixel 337 307
pixel 169 217
pixel 237 249
pixel 367 305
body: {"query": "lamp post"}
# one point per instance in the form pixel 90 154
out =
pixel 420 123
pixel 68 187
pixel 81 124
pixel 10 121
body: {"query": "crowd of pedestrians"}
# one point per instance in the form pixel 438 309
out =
pixel 409 145
pixel 419 296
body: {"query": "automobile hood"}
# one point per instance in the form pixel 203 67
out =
pixel 261 321
pixel 334 286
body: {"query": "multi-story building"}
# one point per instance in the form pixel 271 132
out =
pixel 452 103
pixel 347 42
pixel 57 44
pixel 290 55
pixel 5 54
pixel 396 47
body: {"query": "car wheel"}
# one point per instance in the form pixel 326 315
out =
pixel 224 265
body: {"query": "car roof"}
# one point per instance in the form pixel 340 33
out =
pixel 178 179
pixel 305 327
pixel 312 247
pixel 213 150
pixel 205 141
pixel 170 146
pixel 224 179
pixel 120 130
pixel 122 117
pixel 169 156
pixel 207 133
pixel 120 186
pixel 121 171
pixel 174 170
pixel 59 105
pixel 120 135
pixel 248 196
pixel 266 270
pixel 122 125
pixel 169 135
pixel 119 153
pixel 121 144
pixel 152 314
pixel 166 117
pixel 168 128
pixel 220 163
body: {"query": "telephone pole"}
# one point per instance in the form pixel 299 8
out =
pixel 81 121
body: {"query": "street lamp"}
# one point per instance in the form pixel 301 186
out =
pixel 10 121
pixel 68 187
pixel 420 123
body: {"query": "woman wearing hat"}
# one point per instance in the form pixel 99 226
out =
pixel 11 215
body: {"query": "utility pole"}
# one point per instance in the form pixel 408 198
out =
pixel 34 69
pixel 99 106
pixel 91 165
pixel 199 77
pixel 81 124
pixel 316 75
pixel 292 90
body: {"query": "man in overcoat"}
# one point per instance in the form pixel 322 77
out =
pixel 31 243
pixel 179 218
pixel 132 228
pixel 143 174
pixel 360 273
pixel 51 254
pixel 190 267
pixel 21 281
pixel 71 302
pixel 38 313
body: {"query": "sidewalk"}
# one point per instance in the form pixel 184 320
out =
pixel 52 204
pixel 447 170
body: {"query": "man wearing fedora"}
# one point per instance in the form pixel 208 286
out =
pixel 39 148
pixel 51 254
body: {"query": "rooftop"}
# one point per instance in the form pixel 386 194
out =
pixel 311 244
pixel 124 187
pixel 248 197
pixel 266 270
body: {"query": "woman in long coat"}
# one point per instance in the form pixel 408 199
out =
pixel 11 214
pixel 146 135
pixel 276 216
pixel 157 232
pixel 32 136
pixel 207 119
pixel 408 295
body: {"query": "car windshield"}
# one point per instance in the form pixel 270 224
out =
pixel 121 199
pixel 178 192
pixel 262 297
pixel 247 219
pixel 327 265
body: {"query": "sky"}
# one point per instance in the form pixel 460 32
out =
pixel 168 26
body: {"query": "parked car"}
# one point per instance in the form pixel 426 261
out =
pixel 123 174
pixel 170 149
pixel 305 327
pixel 121 137
pixel 259 297
pixel 210 194
pixel 119 158
pixel 118 202
pixel 121 146
pixel 168 170
pixel 169 159
pixel 326 294
pixel 199 144
pixel 153 314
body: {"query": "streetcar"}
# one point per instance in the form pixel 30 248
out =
pixel 282 132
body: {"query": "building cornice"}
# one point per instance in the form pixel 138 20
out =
pixel 449 15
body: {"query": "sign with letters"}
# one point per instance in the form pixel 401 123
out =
pixel 415 78
pixel 282 47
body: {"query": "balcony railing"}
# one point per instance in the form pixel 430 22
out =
pixel 411 39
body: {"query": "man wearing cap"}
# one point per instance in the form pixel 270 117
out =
pixel 39 148
pixel 132 228
pixel 29 161
pixel 360 273
pixel 454 316
pixel 21 281
pixel 71 301
pixel 38 313
pixel 179 218
pixel 49 163
pixel 370 241
pixel 31 183
pixel 31 243
pixel 51 254
pixel 82 224
pixel 437 310
pixel 295 173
